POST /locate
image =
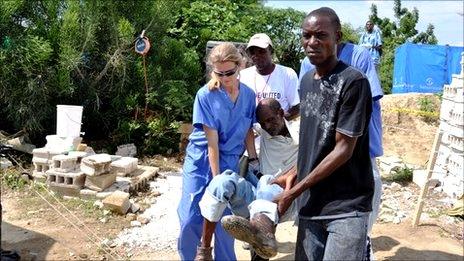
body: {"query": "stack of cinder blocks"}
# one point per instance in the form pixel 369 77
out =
pixel 64 175
pixel 42 159
pixel 97 169
pixel 450 158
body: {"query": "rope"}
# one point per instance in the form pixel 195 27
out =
pixel 74 216
pixel 74 225
pixel 415 112
pixel 146 86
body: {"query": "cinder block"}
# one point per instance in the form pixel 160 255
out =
pixel 41 167
pixel 100 182
pixel 69 179
pixel 65 190
pixel 455 165
pixel 96 164
pixel 121 184
pixel 40 177
pixel 118 202
pixel 140 177
pixel 456 143
pixel 41 160
pixel 124 166
pixel 40 153
pixel 64 163
pixel 79 155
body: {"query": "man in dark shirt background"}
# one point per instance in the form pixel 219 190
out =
pixel 334 177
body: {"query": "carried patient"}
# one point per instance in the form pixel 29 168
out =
pixel 254 214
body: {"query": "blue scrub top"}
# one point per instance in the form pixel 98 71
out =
pixel 231 120
pixel 359 58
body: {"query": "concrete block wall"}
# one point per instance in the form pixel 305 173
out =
pixel 450 158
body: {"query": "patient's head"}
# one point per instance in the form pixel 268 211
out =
pixel 271 116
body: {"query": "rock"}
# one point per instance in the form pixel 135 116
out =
pixel 25 177
pixel 108 243
pixel 106 212
pixel 127 150
pixel 88 194
pixel 134 208
pixel 5 163
pixel 131 216
pixel 103 220
pixel 118 202
pixel 396 220
pixel 143 220
pixel 83 256
pixel 135 223
pixel 407 195
pixel 395 186
pixel 98 204
pixel 386 218
pixel 70 198
pixel 33 256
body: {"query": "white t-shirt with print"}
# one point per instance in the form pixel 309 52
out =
pixel 281 84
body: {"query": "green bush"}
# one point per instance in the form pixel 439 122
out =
pixel 428 109
pixel 401 175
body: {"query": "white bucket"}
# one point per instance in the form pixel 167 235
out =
pixel 68 120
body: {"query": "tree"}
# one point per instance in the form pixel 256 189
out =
pixel 237 21
pixel 395 33
pixel 81 52
pixel 427 37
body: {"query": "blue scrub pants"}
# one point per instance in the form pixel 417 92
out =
pixel 196 176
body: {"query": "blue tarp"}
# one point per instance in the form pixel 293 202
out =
pixel 425 68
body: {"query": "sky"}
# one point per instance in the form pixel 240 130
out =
pixel 446 16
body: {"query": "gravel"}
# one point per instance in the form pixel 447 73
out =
pixel 162 230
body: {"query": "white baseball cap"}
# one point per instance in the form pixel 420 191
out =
pixel 260 40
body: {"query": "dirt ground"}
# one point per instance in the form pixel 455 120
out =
pixel 408 131
pixel 38 232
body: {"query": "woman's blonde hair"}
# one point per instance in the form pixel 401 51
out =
pixel 224 52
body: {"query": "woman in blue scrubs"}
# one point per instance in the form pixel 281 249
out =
pixel 223 115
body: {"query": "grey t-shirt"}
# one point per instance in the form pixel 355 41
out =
pixel 339 102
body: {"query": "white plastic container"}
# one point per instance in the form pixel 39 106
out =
pixel 68 121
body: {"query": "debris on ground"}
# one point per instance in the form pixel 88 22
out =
pixel 159 225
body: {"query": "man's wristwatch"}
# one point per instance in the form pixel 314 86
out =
pixel 252 159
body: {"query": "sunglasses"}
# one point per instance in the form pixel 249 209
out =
pixel 226 73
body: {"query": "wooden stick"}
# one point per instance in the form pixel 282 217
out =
pixel 424 189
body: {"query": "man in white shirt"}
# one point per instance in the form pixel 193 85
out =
pixel 270 80
pixel 250 200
